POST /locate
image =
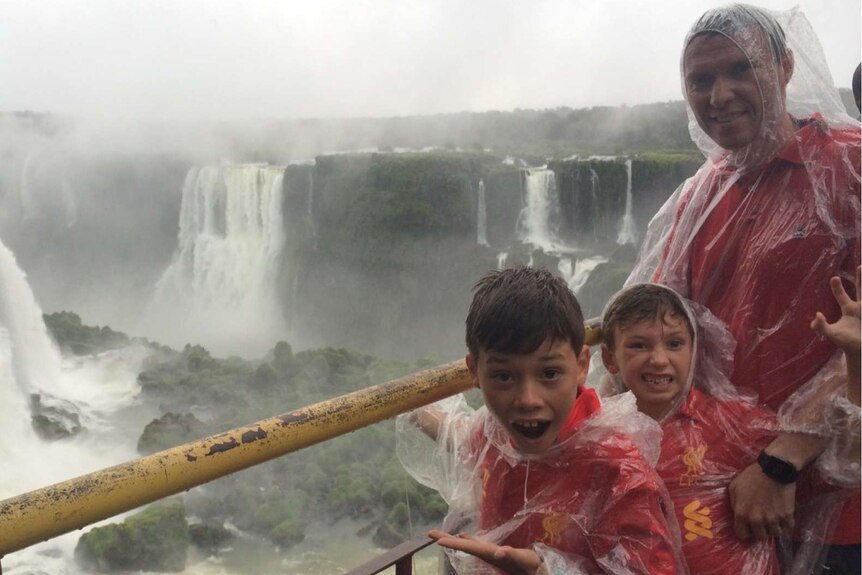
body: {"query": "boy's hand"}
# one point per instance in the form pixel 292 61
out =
pixel 509 559
pixel 845 332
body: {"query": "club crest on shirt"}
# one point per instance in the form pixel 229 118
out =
pixel 554 525
pixel 693 460
pixel 697 521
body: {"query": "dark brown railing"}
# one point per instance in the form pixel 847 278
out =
pixel 401 557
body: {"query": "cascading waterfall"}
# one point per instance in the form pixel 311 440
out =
pixel 482 217
pixel 219 290
pixel 538 217
pixel 97 387
pixel 627 225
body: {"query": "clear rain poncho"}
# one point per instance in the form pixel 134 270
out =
pixel 592 504
pixel 772 214
pixel 711 432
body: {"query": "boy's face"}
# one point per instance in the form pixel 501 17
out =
pixel 653 357
pixel 531 394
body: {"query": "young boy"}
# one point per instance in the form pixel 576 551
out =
pixel 651 347
pixel 546 478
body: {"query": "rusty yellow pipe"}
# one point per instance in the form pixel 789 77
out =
pixel 76 503
pixel 57 509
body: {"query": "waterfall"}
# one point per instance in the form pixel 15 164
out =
pixel 482 218
pixel 576 277
pixel 219 290
pixel 627 225
pixel 501 260
pixel 537 221
pixel 32 356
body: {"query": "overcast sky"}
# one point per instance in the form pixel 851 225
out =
pixel 237 59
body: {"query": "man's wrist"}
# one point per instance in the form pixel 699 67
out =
pixel 777 469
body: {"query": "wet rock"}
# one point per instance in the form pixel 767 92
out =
pixel 54 418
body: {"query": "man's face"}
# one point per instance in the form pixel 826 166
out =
pixel 531 394
pixel 726 89
pixel 653 358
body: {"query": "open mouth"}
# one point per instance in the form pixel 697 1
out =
pixel 531 429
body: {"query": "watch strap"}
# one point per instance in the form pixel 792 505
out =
pixel 777 469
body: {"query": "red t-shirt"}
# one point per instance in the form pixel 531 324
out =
pixel 705 444
pixel 761 260
pixel 594 497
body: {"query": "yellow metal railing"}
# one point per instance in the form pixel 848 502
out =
pixel 63 507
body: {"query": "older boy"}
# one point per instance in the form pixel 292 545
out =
pixel 710 434
pixel 546 477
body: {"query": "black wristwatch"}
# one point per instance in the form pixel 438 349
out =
pixel 777 469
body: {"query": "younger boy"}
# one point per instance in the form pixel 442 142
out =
pixel 543 475
pixel 651 347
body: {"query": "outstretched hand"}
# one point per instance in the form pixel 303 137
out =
pixel 510 559
pixel 845 331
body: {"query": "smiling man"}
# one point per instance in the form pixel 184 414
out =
pixel 755 235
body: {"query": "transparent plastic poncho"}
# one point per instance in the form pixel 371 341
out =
pixel 592 504
pixel 758 231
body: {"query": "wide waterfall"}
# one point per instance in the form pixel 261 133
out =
pixel 220 288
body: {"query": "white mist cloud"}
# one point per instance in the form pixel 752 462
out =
pixel 233 60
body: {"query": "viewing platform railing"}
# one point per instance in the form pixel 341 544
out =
pixel 39 515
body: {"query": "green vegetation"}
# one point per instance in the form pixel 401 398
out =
pixel 66 329
pixel 155 539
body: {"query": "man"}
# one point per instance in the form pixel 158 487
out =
pixel 757 232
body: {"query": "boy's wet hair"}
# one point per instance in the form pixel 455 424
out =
pixel 516 310
pixel 642 302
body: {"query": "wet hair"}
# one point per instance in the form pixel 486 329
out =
pixel 733 19
pixel 641 302
pixel 516 310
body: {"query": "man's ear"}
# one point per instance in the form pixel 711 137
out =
pixel 609 360
pixel 788 63
pixel 471 365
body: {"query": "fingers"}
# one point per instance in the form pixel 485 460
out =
pixel 839 292
pixel 819 324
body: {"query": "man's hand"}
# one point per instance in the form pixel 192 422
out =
pixel 509 559
pixel 761 507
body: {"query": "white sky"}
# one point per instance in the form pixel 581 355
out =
pixel 238 59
